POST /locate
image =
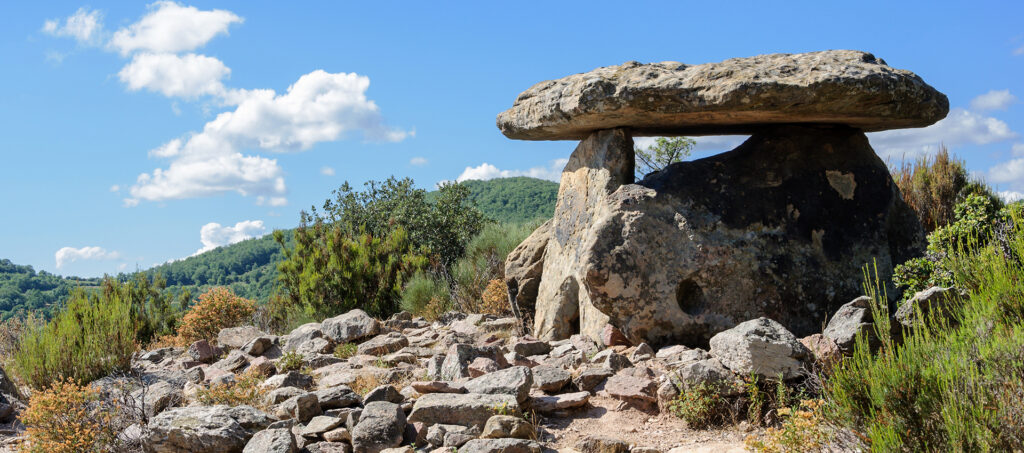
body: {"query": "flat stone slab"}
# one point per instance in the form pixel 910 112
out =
pixel 735 96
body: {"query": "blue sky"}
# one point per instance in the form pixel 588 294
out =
pixel 133 134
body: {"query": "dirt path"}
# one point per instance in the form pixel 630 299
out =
pixel 663 431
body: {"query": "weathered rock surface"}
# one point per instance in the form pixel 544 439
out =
pixel 468 409
pixel 502 426
pixel 278 440
pixel 352 326
pixel 934 301
pixel 601 444
pixel 760 346
pixel 733 96
pixel 523 269
pixel 852 318
pixel 779 227
pixel 236 337
pixel 514 381
pixel 500 446
pixel 380 426
pixel 204 429
pixel 599 165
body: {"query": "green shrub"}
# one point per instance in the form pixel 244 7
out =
pixel 700 406
pixel 290 361
pixel 933 186
pixel 91 337
pixel 344 351
pixel 421 290
pixel 951 384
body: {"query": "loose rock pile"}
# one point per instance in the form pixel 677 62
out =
pixel 456 383
pixel 779 227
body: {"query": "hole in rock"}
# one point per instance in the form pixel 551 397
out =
pixel 690 297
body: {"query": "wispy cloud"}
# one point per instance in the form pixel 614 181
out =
pixel 993 100
pixel 418 161
pixel 327 171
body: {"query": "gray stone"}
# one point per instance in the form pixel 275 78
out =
pixel 257 346
pixel 529 347
pixel 712 374
pixel 738 95
pixel 204 429
pixel 550 379
pixel 288 379
pixel 337 397
pixel 235 362
pixel 459 356
pixel 272 441
pixel 548 404
pixel 640 392
pixel 601 444
pixel 302 407
pixel 159 396
pixel 201 351
pixel 852 318
pixel 504 426
pixel 384 344
pixel 760 346
pixel 280 395
pixel 515 381
pixel 380 426
pixel 523 269
pixel 328 447
pixel 385 392
pixel 934 301
pixel 236 337
pixel 350 327
pixel 306 339
pixel 321 424
pixel 591 378
pixel 500 446
pixel 469 409
pixel 437 387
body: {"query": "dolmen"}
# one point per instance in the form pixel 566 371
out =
pixel 780 227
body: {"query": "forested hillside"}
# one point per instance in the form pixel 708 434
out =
pixel 513 200
pixel 23 290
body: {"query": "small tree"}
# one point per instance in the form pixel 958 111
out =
pixel 664 152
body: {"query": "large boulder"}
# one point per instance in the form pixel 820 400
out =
pixel 932 302
pixel 762 347
pixel 738 95
pixel 524 267
pixel 779 227
pixel 466 409
pixel 278 440
pixel 852 318
pixel 204 429
pixel 515 381
pixel 380 426
pixel 236 337
pixel 349 327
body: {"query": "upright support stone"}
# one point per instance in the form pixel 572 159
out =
pixel 600 164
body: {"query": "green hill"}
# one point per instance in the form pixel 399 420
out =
pixel 23 290
pixel 513 200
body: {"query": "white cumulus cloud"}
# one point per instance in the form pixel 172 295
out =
pixel 319 107
pixel 214 235
pixel 186 76
pixel 70 254
pixel 1011 196
pixel 960 127
pixel 172 28
pixel 327 171
pixel 486 171
pixel 993 100
pixel 418 161
pixel 84 26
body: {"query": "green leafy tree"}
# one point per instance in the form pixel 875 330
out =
pixel 330 271
pixel 664 152
pixel 442 227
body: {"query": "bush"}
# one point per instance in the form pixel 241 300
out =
pixel 933 186
pixel 70 418
pixel 93 336
pixel 700 406
pixel 330 271
pixel 245 390
pixel 290 361
pixel 344 351
pixel 494 300
pixel 955 382
pixel 421 291
pixel 803 429
pixel 217 309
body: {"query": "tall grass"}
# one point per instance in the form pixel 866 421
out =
pixel 955 383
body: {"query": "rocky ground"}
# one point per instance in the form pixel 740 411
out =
pixel 465 382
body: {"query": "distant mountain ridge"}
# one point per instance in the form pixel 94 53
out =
pixel 249 267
